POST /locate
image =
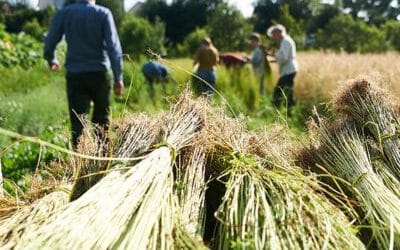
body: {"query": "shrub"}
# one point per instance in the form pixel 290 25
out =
pixel 138 35
pixel 34 29
pixel 191 42
pixel 392 33
pixel 343 32
pixel 222 22
pixel 18 50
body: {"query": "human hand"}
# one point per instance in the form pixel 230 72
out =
pixel 55 67
pixel 119 88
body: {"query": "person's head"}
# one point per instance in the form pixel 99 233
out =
pixel 255 40
pixel 206 42
pixel 276 32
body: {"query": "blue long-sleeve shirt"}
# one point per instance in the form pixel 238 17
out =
pixel 91 37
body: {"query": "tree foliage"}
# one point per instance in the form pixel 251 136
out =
pixel 228 28
pixel 191 42
pixel 294 27
pixel 375 11
pixel 116 7
pixel 351 35
pixel 392 34
pixel 180 17
pixel 18 16
pixel 138 35
pixel 266 11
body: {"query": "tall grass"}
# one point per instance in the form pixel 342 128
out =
pixel 320 73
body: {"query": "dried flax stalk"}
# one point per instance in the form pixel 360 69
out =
pixel 28 219
pixel 372 109
pixel 128 209
pixel 191 190
pixel 344 154
pixel 269 203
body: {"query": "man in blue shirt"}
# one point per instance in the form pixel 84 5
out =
pixel 155 72
pixel 93 46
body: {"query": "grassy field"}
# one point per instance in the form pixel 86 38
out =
pixel 34 101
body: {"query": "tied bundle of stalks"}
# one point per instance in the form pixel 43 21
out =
pixel 8 205
pixel 133 209
pixel 135 135
pixel 44 182
pixel 343 153
pixel 15 229
pixel 268 203
pixel 374 111
pixel 190 188
pixel 93 143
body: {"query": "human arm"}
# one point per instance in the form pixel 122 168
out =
pixel 196 58
pixel 114 51
pixel 52 39
pixel 216 57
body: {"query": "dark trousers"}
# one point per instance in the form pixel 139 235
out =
pixel 207 83
pixel 283 92
pixel 83 88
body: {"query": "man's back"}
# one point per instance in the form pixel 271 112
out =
pixel 83 31
pixel 90 34
pixel 154 71
pixel 207 57
pixel 287 56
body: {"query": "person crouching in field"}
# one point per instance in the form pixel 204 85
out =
pixel 93 45
pixel 205 59
pixel 155 72
pixel 258 60
pixel 286 58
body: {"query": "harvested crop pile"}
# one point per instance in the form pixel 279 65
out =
pixel 360 150
pixel 195 178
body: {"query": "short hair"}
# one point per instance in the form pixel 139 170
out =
pixel 206 41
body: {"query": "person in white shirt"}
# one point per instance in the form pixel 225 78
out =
pixel 286 58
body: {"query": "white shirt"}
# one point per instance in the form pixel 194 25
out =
pixel 286 56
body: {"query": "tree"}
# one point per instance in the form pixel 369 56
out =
pixel 34 29
pixel 180 17
pixel 344 32
pixel 138 35
pixel 392 33
pixel 116 7
pixel 20 15
pixel 266 11
pixel 320 20
pixel 373 11
pixel 293 27
pixel 191 42
pixel 228 28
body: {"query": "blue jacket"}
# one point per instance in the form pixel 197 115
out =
pixel 91 36
pixel 154 71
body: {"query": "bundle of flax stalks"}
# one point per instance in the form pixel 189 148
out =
pixel 134 206
pixel 361 150
pixel 197 178
pixel 45 194
pixel 268 202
